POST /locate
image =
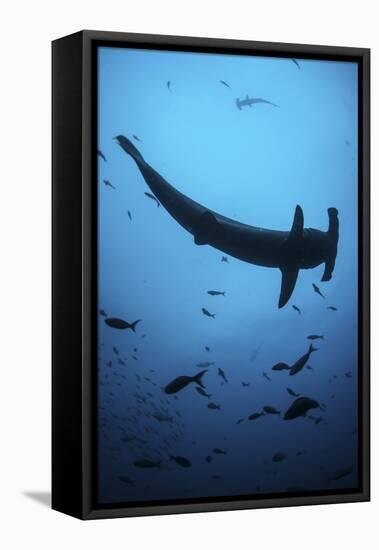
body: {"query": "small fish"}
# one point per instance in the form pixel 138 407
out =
pixel 114 322
pixel 300 407
pixel 224 83
pixel 103 313
pixel 115 350
pixel 278 457
pixel 221 373
pixel 315 337
pixel 332 308
pixel 101 155
pixel 137 138
pixel 162 417
pixel 181 461
pixel 270 410
pixel 309 367
pixel 218 451
pixel 120 361
pixel 215 293
pixel 297 309
pixel 240 420
pixel 254 416
pixel 245 384
pixel 291 392
pixel 340 473
pixel 205 364
pixel 134 357
pixel 182 381
pixel 153 198
pixel 147 463
pixel 265 375
pixel 225 259
pixel 129 215
pixel 107 183
pixel 207 349
pixel 296 63
pixel 126 479
pixel 169 85
pixel 207 313
pixel 203 392
pixel 318 291
pixel 348 374
pixel 208 459
pixel 109 364
pixel 214 406
pixel 281 366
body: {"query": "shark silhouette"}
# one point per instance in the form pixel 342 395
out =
pixel 289 251
pixel 250 101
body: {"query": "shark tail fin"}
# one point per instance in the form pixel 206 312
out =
pixel 333 233
pixel 198 378
pixel 129 148
pixel 290 272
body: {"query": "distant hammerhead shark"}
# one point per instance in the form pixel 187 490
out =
pixel 289 251
pixel 249 101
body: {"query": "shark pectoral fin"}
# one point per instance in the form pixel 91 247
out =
pixel 205 227
pixel 289 277
pixel 297 225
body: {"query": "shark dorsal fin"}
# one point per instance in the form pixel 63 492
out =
pixel 297 225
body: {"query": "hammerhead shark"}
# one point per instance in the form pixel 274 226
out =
pixel 249 101
pixel 289 251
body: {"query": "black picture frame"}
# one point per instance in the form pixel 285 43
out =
pixel 74 308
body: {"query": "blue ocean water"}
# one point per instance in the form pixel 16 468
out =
pixel 254 165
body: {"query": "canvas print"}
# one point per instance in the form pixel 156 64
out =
pixel 227 276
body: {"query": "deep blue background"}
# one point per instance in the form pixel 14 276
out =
pixel 253 165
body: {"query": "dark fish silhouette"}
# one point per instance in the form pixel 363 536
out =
pixel 300 407
pixel 114 322
pixel 254 416
pixel 181 461
pixel 203 392
pixel 297 309
pixel 121 362
pixel 137 138
pixel 101 155
pixel 240 420
pixel 315 337
pixel 296 63
pixel 146 463
pixel 270 410
pixel 348 374
pixel 318 291
pixel 281 366
pixel 250 101
pixel 126 479
pixel 153 198
pixel 291 392
pixel 224 83
pixel 115 350
pixel 214 406
pixel 205 364
pixel 162 417
pixel 290 251
pixel 332 308
pixel 221 373
pixel 308 367
pixel 182 381
pixel 245 384
pixel 103 313
pixel 207 349
pixel 215 293
pixel 278 457
pixel 265 375
pixel 107 183
pixel 129 215
pixel 218 451
pixel 208 459
pixel 340 473
pixel 225 259
pixel 207 313
pixel 168 85
pixel 298 365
